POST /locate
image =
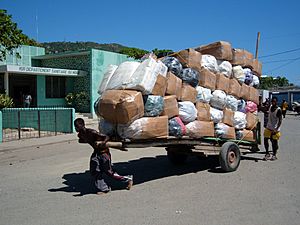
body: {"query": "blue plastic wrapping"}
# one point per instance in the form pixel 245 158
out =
pixel 190 76
pixel 176 127
pixel 248 76
pixel 241 105
pixel 173 65
pixel 107 128
pixel 154 105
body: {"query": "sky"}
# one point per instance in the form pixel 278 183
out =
pixel 172 25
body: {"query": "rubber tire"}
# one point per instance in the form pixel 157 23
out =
pixel 176 158
pixel 227 149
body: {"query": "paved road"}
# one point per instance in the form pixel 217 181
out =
pixel 49 184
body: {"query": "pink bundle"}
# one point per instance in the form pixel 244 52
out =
pixel 251 107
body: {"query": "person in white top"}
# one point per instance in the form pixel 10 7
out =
pixel 27 100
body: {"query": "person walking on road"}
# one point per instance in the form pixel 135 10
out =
pixel 100 161
pixel 284 107
pixel 272 130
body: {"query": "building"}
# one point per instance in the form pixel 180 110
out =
pixel 289 95
pixel 49 78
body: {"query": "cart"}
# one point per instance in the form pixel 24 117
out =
pixel 228 150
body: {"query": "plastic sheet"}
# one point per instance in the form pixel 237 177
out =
pixel 154 105
pixel 239 120
pixel 173 65
pixel 241 106
pixel 231 103
pixel 255 81
pixel 238 73
pixel 204 94
pixel 218 99
pixel 225 68
pixel 224 131
pixel 187 111
pixel 250 107
pixel 216 115
pixel 106 78
pixel 248 76
pixel 176 127
pixel 209 62
pixel 107 128
pixel 190 76
pixel 199 129
pixel 161 69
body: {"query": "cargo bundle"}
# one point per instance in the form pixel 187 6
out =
pixel 209 91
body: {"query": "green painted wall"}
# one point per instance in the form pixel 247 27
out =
pixel 1 135
pixel 100 61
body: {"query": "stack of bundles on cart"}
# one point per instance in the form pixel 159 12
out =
pixel 209 91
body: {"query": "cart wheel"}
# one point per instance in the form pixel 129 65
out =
pixel 254 148
pixel 175 157
pixel 229 156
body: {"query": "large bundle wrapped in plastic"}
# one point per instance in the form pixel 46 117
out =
pixel 252 120
pixel 107 128
pixel 225 68
pixel 188 93
pixel 219 49
pixel 238 73
pixel 173 65
pixel 209 62
pixel 234 88
pixel 255 81
pixel 207 79
pixel 199 129
pixel 187 111
pixel 154 105
pixel 248 76
pixel 239 120
pixel 189 58
pixel 245 92
pixel 245 135
pixel 176 127
pixel 222 83
pixel 218 99
pixel 174 85
pixel 170 106
pixel 224 131
pixel 216 115
pixel 231 103
pixel 204 94
pixel 256 67
pixel 106 78
pixel 241 57
pixel 144 77
pixel 121 76
pixel 96 106
pixel 254 95
pixel 203 111
pixel 228 115
pixel 241 105
pixel 145 128
pixel 251 107
pixel 160 86
pixel 161 69
pixel 190 76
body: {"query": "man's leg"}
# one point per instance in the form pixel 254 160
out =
pixel 266 144
pixel 274 148
pixel 96 173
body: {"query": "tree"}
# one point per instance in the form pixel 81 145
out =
pixel 11 37
pixel 271 82
pixel 162 52
pixel 135 53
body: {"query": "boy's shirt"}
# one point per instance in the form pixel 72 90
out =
pixel 90 136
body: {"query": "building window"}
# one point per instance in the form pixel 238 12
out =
pixel 55 87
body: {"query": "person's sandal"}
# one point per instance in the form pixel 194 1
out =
pixel 273 158
pixel 130 182
pixel 267 157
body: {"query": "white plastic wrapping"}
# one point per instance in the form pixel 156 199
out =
pixel 216 115
pixel 187 111
pixel 238 73
pixel 225 68
pixel 107 128
pixel 221 130
pixel 209 62
pixel 106 78
pixel 144 77
pixel 231 103
pixel 204 94
pixel 239 120
pixel 122 75
pixel 161 69
pixel 218 99
pixel 133 130
pixel 255 82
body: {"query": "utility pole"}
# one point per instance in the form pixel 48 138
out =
pixel 257 44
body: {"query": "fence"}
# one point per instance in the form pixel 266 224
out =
pixel 20 123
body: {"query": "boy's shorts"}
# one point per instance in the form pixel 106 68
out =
pixel 268 134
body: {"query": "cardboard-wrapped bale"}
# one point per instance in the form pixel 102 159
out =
pixel 234 88
pixel 121 106
pixel 190 58
pixel 145 128
pixel 160 86
pixel 188 93
pixel 241 57
pixel 222 83
pixel 199 129
pixel 228 117
pixel 207 79
pixel 224 131
pixel 252 120
pixel 245 92
pixel 220 50
pixel 203 111
pixel 170 106
pixel 247 135
pixel 257 67
pixel 173 85
pixel 254 95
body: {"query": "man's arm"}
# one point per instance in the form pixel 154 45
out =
pixel 279 115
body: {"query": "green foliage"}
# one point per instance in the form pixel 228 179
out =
pixel 11 37
pixel 135 53
pixel 271 82
pixel 159 52
pixel 78 101
pixel 6 101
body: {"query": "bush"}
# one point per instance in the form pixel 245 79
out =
pixel 6 101
pixel 80 101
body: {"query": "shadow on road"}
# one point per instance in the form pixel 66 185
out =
pixel 143 170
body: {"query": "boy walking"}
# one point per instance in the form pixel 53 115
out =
pixel 100 161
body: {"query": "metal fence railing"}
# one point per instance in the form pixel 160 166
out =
pixel 20 123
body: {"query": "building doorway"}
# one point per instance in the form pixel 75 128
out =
pixel 21 84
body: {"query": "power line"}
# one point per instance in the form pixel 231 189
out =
pixel 276 61
pixel 280 53
pixel 283 65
